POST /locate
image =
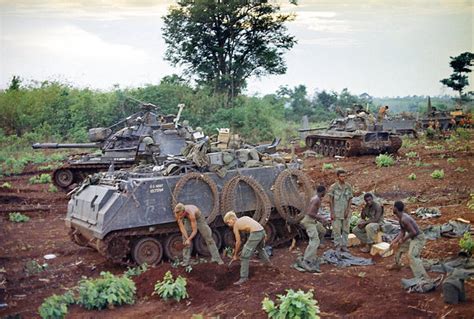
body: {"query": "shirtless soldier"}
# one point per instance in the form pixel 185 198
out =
pixel 190 220
pixel 254 242
pixel 313 223
pixel 410 239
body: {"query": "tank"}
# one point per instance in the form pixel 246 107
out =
pixel 142 137
pixel 353 135
pixel 127 216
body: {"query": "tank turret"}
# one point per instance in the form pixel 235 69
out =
pixel 145 136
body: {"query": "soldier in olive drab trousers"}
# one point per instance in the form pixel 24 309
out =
pixel 312 223
pixel 255 242
pixel 340 195
pixel 371 220
pixel 411 240
pixel 194 215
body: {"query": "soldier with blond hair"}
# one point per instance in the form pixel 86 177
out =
pixel 255 241
pixel 190 221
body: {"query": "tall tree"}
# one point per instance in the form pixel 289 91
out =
pixel 458 80
pixel 222 43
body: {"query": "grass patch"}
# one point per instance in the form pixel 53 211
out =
pixel 327 166
pixel 412 176
pixel 460 169
pixel 451 160
pixel 40 179
pixel 18 217
pixel 421 164
pixel 7 185
pixel 438 174
pixel 52 188
pixel 411 154
pixel 384 160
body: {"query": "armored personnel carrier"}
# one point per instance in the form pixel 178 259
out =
pixel 143 136
pixel 127 215
pixel 353 135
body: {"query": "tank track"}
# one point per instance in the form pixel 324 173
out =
pixel 332 146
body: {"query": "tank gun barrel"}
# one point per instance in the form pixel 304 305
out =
pixel 313 129
pixel 69 145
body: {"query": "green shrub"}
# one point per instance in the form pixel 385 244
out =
pixel 438 174
pixel 384 160
pixel 463 133
pixel 327 166
pixel 41 179
pixel 171 289
pixel 451 160
pixel 107 291
pixel 33 267
pixel 411 154
pixel 135 271
pixel 52 188
pixel 354 221
pixel 55 307
pixel 7 185
pixel 292 305
pixel 57 157
pixel 467 243
pixel 18 217
pixel 470 204
pixel 408 143
pixel 421 164
pixel 412 176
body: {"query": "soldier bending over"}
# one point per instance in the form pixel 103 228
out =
pixel 190 220
pixel 255 241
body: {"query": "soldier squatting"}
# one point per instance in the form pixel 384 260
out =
pixel 410 239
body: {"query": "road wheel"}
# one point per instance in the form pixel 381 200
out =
pixel 147 250
pixel 174 246
pixel 201 246
pixel 270 230
pixel 63 177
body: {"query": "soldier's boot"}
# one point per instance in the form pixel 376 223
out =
pixel 311 266
pixel 241 281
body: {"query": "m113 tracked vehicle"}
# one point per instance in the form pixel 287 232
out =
pixel 353 135
pixel 143 136
pixel 127 215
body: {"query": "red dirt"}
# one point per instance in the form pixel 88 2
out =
pixel 355 292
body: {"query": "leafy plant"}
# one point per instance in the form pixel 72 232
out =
pixel 438 174
pixel 384 160
pixel 41 179
pixel 107 291
pixel 327 166
pixel 292 305
pixel 18 217
pixel 411 154
pixel 451 160
pixel 408 143
pixel 354 221
pixel 7 185
pixel 228 251
pixel 55 307
pixel 33 267
pixel 421 164
pixel 412 176
pixel 52 188
pixel 171 289
pixel 467 243
pixel 470 204
pixel 135 271
pixel 460 169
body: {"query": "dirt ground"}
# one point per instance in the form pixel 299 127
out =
pixel 354 292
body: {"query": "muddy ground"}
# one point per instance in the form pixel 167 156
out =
pixel 355 292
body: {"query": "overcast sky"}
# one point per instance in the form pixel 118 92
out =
pixel 384 48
